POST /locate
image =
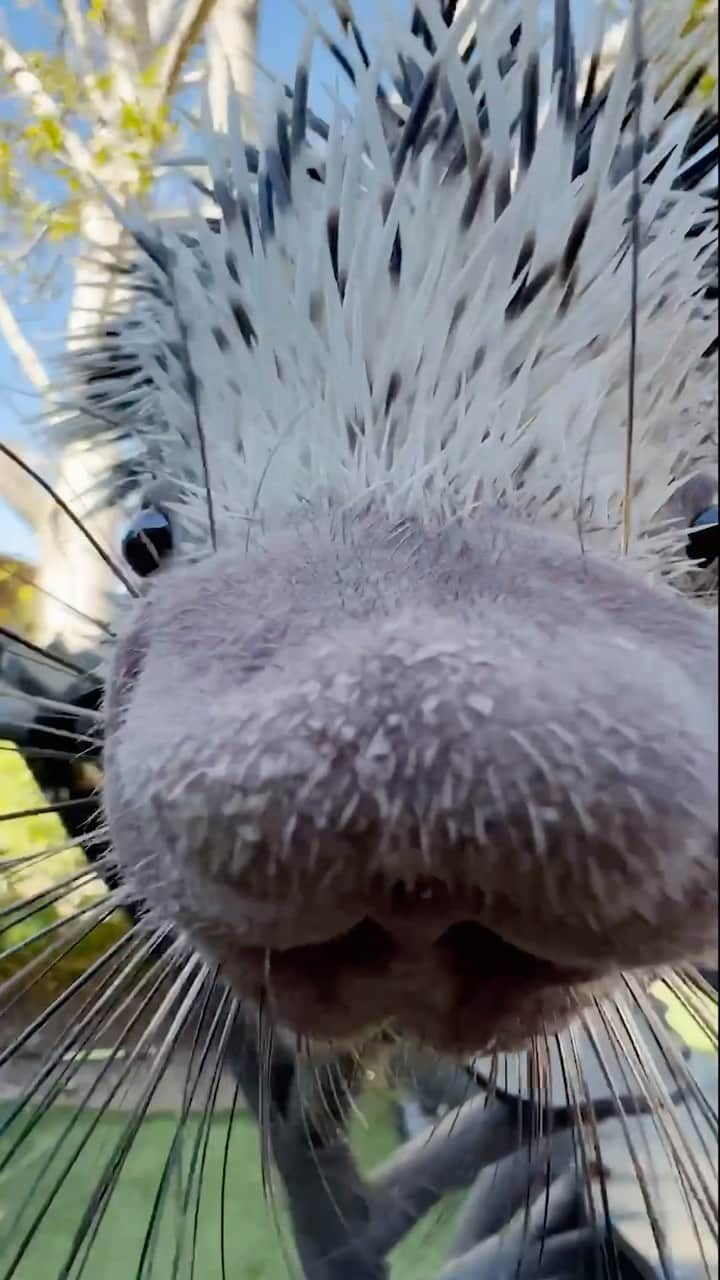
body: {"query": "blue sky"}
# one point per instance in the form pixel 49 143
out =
pixel 281 29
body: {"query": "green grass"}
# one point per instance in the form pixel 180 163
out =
pixel 254 1240
pixel 23 837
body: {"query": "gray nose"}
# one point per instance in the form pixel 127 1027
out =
pixel 557 770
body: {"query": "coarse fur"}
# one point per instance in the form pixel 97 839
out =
pixel 400 392
pixel 402 738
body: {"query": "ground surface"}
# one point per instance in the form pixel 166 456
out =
pixel 254 1245
pixel 254 1239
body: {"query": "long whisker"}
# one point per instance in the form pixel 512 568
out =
pixel 92 908
pixel 57 704
pixel 590 1163
pixel 225 1166
pixel 221 1063
pixel 199 1152
pixel 64 604
pixel 46 898
pixel 68 511
pixel 54 1007
pixel 92 1020
pixel 172 1159
pixel 60 806
pixel 684 996
pixel 265 1053
pixel 70 1126
pixel 640 1174
pixel 333 1116
pixel 45 753
pixel 677 1067
pixel 98 1203
pixel 66 711
pixel 637 101
pixel 544 1072
pixel 641 1067
pixel 38 653
pixel 696 979
pixel 24 861
pixel 687 1191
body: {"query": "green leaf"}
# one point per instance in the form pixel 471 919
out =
pixel 44 137
pixel 63 223
pixel 132 120
pixel 103 82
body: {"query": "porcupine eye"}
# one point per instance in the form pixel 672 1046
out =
pixel 702 543
pixel 147 541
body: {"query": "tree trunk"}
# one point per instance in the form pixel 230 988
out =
pixel 73 580
pixel 231 44
pixel 70 570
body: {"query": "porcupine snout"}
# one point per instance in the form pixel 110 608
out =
pixel 440 777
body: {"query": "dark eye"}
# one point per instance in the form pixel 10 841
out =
pixel 147 541
pixel 702 543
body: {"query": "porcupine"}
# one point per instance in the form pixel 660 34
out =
pixel 445 759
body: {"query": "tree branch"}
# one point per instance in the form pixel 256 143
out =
pixel 508 1257
pixel 164 17
pixel 21 255
pixel 77 29
pixel 130 48
pixel 133 17
pixel 22 494
pixel 188 32
pixel 449 1155
pixel 511 1184
pixel 445 1157
pixel 23 351
pixel 29 87
pixel 231 42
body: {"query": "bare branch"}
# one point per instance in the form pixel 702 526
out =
pixel 165 16
pixel 21 493
pixel 77 29
pixel 183 41
pixel 129 45
pixel 132 17
pixel 14 259
pixel 500 1190
pixel 231 44
pixel 24 352
pixel 445 1157
pixel 449 1155
pixel 507 1258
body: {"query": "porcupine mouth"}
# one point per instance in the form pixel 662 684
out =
pixel 418 960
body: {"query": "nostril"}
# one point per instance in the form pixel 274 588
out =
pixel 366 947
pixel 470 944
pixel 471 948
pixel 367 944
